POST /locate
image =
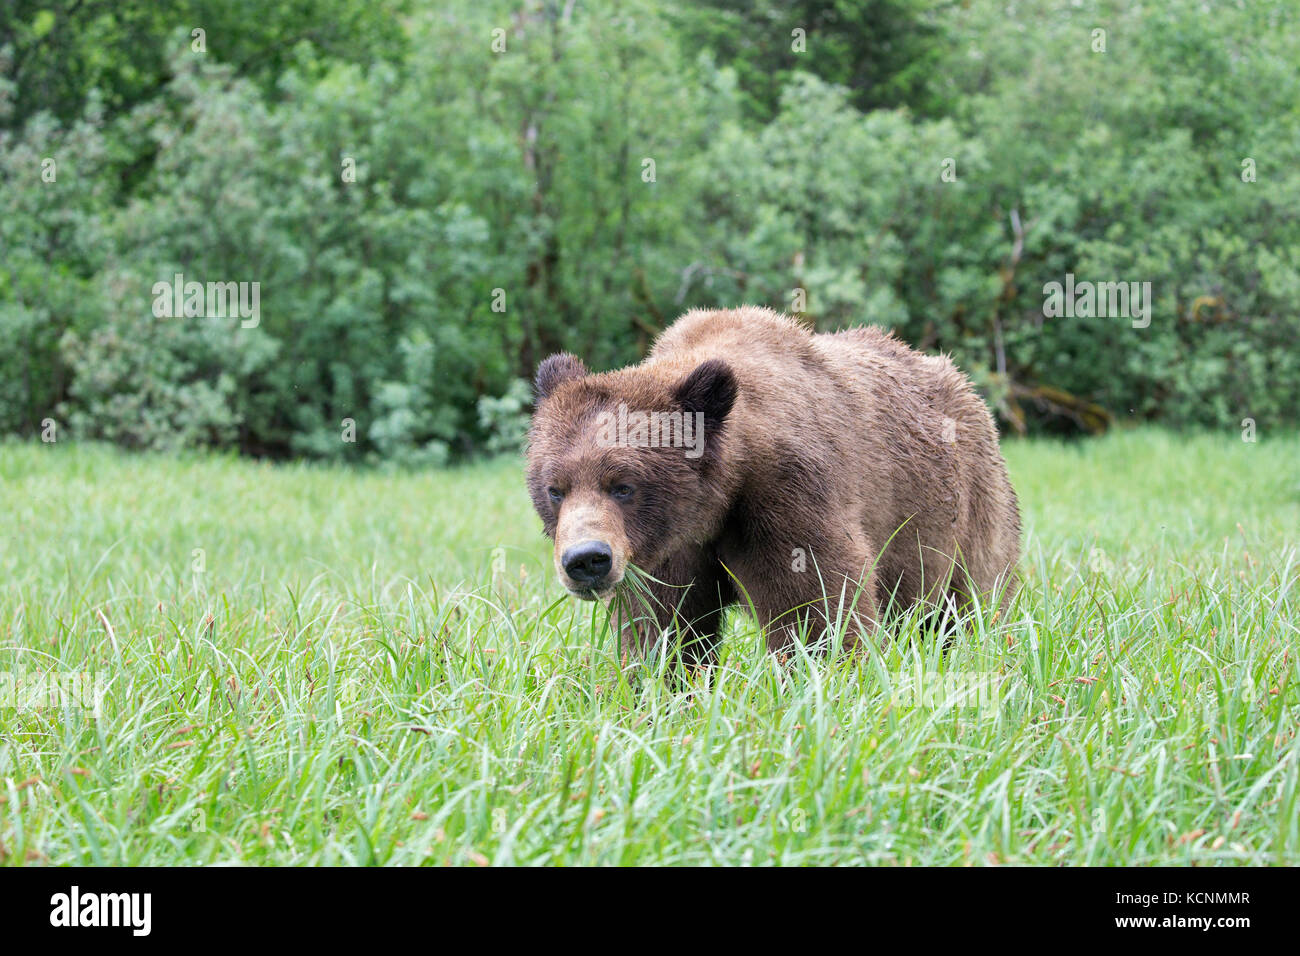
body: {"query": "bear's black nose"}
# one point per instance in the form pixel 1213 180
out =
pixel 588 563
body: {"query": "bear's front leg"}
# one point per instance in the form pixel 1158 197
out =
pixel 813 589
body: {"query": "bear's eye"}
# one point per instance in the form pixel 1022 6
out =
pixel 621 492
pixel 556 495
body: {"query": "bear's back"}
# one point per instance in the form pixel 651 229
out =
pixel 748 327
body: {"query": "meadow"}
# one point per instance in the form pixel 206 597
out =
pixel 308 664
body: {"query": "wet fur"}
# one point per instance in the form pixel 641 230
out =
pixel 833 444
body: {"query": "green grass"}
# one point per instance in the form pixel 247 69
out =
pixel 382 669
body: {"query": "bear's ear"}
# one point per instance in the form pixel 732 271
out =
pixel 710 389
pixel 557 369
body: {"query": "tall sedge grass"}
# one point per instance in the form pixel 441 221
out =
pixel 309 665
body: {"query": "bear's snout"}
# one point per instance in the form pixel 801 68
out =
pixel 588 564
pixel 591 549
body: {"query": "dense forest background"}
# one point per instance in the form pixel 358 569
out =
pixel 433 196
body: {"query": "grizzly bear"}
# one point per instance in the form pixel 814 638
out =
pixel 817 478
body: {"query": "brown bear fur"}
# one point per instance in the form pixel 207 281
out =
pixel 877 464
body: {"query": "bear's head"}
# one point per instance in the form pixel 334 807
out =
pixel 625 468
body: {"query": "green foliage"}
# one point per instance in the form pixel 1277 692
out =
pixel 61 49
pixel 409 428
pixel 505 420
pixel 880 51
pixel 153 384
pixel 52 247
pixel 428 215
